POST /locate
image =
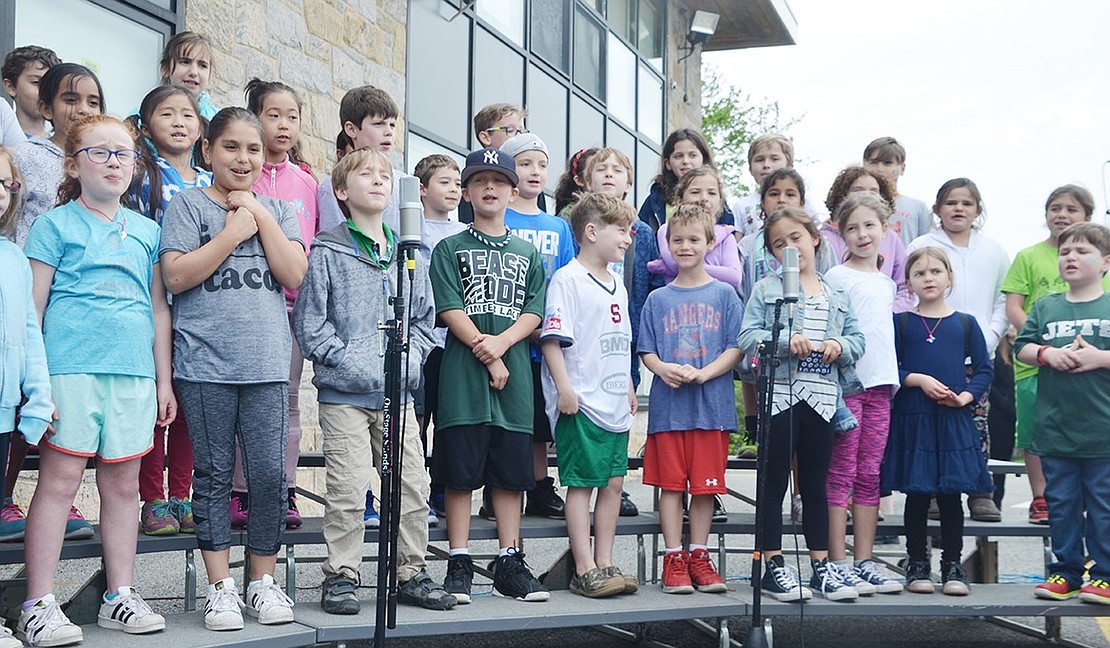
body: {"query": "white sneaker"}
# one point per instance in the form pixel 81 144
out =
pixel 7 640
pixel 223 609
pixel 46 625
pixel 130 613
pixel 268 603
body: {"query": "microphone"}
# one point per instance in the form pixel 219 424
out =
pixel 411 216
pixel 791 282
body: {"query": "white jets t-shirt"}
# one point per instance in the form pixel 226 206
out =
pixel 590 319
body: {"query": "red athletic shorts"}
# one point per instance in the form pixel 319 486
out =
pixel 682 460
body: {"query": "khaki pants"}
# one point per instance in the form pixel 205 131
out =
pixel 352 441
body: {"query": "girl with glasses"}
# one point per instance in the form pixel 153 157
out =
pixel 95 261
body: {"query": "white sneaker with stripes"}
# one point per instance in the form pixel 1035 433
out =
pixel 130 613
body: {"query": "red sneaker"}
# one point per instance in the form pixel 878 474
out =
pixel 1038 511
pixel 703 574
pixel 1097 591
pixel 676 573
pixel 1057 588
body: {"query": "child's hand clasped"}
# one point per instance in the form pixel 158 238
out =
pixel 800 346
pixel 498 374
pixel 676 375
pixel 488 348
pixel 240 224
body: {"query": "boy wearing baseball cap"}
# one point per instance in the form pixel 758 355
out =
pixel 554 241
pixel 489 293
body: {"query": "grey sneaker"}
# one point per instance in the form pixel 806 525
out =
pixel 338 595
pixel 597 583
pixel 954 579
pixel 422 591
pixel 828 581
pixel 852 579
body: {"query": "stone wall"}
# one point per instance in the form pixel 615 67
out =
pixel 683 80
pixel 320 47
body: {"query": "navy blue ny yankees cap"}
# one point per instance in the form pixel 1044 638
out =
pixel 490 159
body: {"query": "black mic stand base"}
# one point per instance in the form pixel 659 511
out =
pixel 758 637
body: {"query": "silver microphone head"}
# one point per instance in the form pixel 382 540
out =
pixel 411 211
pixel 791 282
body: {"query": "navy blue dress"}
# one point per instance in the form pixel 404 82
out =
pixel 934 448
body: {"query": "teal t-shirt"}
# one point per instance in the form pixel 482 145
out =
pixel 99 319
pixel 494 281
pixel 1073 409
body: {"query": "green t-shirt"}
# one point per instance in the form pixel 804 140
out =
pixel 1073 410
pixel 1035 273
pixel 494 282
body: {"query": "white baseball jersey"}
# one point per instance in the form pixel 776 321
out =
pixel 590 320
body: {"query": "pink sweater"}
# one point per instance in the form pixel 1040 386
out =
pixel 722 262
pixel 289 182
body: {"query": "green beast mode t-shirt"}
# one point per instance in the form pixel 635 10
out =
pixel 1073 410
pixel 1035 273
pixel 494 282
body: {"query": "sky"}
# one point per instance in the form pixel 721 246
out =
pixel 1014 94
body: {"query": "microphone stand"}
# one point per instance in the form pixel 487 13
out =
pixel 392 452
pixel 758 635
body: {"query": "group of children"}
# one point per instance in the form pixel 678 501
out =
pixel 540 321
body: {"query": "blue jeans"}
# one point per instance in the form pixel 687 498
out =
pixel 1077 487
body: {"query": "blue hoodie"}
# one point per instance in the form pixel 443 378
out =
pixel 22 354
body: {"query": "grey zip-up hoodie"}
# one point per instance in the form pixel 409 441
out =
pixel 335 320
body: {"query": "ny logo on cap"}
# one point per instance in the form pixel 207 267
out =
pixel 490 157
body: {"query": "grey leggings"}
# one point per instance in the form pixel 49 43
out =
pixel 256 415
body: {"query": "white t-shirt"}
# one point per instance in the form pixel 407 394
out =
pixel 590 319
pixel 872 295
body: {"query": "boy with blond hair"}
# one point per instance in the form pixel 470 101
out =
pixel 352 274
pixel 766 154
pixel 586 340
pixel 688 340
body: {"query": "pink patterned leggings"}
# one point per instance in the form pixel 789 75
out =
pixel 858 454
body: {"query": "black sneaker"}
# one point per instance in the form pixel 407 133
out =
pixel 628 507
pixel 719 512
pixel 460 574
pixel 828 581
pixel 513 579
pixel 486 510
pixel 338 595
pixel 954 578
pixel 781 582
pixel 919 578
pixel 544 500
pixel 422 591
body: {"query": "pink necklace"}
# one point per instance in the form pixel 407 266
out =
pixel 930 330
pixel 106 217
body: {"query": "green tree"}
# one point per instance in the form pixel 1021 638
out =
pixel 731 119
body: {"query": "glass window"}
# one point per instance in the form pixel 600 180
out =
pixel 547 117
pixel 647 167
pixel 550 27
pixel 498 73
pixel 506 16
pixel 622 18
pixel 438 83
pixel 651 105
pixel 127 68
pixel 588 55
pixel 650 41
pixel 620 139
pixel 587 125
pixel 621 81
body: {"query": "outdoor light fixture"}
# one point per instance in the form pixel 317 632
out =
pixel 703 25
